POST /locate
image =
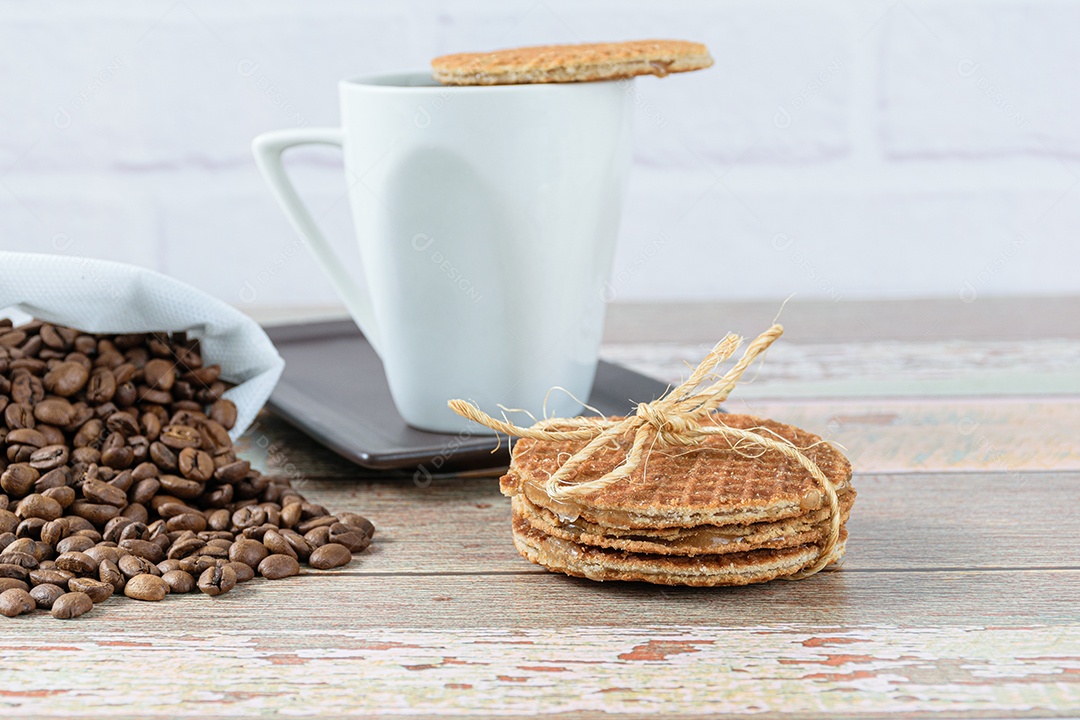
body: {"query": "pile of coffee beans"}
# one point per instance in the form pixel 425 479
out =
pixel 118 476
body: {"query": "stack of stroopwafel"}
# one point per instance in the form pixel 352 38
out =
pixel 707 515
pixel 678 493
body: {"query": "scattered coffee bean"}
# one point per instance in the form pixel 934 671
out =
pixel 77 563
pixel 179 582
pixel 330 555
pixel 146 587
pixel 243 571
pixel 45 595
pixel 16 601
pixel 218 580
pixel 10 583
pixel 72 605
pixel 275 567
pixel 118 475
pixel 97 591
pixel 249 552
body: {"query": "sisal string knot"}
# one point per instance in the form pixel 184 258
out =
pixel 670 429
pixel 681 418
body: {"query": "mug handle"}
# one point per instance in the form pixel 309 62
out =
pixel 268 148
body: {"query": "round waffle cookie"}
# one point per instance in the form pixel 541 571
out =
pixel 571 63
pixel 702 540
pixel 709 514
pixel 745 568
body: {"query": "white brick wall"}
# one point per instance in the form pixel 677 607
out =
pixel 837 149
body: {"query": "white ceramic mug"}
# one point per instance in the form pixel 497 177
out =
pixel 486 218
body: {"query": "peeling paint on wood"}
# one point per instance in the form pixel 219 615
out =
pixel 791 669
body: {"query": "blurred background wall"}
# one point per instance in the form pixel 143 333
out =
pixel 839 150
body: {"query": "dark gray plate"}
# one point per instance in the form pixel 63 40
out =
pixel 334 389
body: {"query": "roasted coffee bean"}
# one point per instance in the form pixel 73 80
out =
pixel 196 565
pixel 49 457
pixel 359 522
pixel 104 551
pixel 77 563
pixel 19 415
pixel 101 386
pixel 145 549
pixel 159 374
pixel 144 491
pixel 16 601
pixel 315 522
pixel 96 513
pixel 109 572
pixel 290 515
pixel 8 521
pixel 244 572
pixel 168 565
pixel 97 590
pixel 72 605
pixel 66 378
pixel 181 549
pixel 75 543
pixel 26 436
pixel 178 437
pixel 249 552
pixel 249 517
pixel 117 462
pixel 233 472
pixel 179 582
pixel 278 545
pixel 317 537
pixel 9 583
pixel 354 539
pixel 30 528
pixel 300 546
pixel 39 506
pixel 55 411
pixel 89 434
pixel 17 480
pixel 275 567
pixel 224 412
pixel 96 491
pixel 181 487
pixel 218 580
pixel 11 570
pixel 195 464
pixel 132 565
pixel 45 595
pixel 146 587
pixel 330 555
pixel 63 495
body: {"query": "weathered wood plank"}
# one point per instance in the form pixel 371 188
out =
pixel 900 522
pixel 910 320
pixel 799 670
pixel 880 369
pixel 1008 435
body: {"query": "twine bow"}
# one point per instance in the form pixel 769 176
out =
pixel 681 418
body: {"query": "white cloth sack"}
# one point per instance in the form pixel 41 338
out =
pixel 99 296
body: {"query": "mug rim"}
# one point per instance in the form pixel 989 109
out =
pixel 385 82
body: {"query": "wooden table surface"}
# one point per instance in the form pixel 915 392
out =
pixel 959 595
